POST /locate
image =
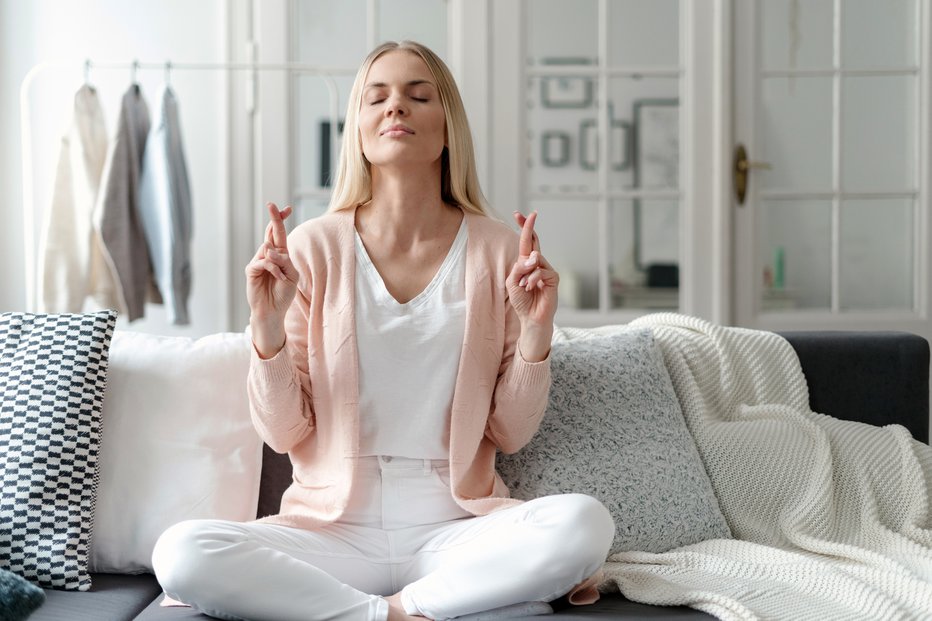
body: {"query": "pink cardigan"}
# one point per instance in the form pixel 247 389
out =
pixel 304 401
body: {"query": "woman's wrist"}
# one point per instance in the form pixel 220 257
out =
pixel 534 341
pixel 268 336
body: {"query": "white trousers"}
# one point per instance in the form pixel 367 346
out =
pixel 402 530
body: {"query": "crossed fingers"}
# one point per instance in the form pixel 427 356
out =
pixel 536 271
pixel 272 255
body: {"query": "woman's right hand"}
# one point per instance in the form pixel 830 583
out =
pixel 271 283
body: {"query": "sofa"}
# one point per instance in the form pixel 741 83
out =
pixel 877 378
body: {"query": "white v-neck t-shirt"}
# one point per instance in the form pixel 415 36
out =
pixel 409 356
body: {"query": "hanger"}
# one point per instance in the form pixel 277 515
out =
pixel 87 74
pixel 168 73
pixel 134 69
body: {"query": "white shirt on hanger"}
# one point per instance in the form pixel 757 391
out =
pixel 71 255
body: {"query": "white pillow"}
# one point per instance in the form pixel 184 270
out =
pixel 177 443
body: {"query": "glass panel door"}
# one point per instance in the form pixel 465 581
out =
pixel 602 127
pixel 828 96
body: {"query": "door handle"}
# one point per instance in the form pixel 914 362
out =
pixel 742 165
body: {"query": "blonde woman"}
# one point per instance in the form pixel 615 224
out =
pixel 399 341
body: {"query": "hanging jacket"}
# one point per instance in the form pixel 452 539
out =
pixel 117 214
pixel 165 208
pixel 71 260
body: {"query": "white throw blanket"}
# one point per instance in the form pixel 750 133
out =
pixel 830 517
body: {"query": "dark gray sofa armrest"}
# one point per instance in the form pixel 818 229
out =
pixel 872 377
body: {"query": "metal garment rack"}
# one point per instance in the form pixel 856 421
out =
pixel 29 206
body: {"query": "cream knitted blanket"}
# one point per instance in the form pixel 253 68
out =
pixel 830 517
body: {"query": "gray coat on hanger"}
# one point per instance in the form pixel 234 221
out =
pixel 117 213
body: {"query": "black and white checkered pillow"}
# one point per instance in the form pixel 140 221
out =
pixel 53 371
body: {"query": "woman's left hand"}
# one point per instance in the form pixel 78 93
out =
pixel 532 283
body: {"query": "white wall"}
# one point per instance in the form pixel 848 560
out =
pixel 115 30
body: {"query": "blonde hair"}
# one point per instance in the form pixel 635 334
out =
pixel 459 183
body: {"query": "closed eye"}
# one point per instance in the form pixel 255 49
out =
pixel 420 99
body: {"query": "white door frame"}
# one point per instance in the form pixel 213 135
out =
pixel 706 231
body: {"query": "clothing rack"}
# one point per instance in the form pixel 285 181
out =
pixel 29 207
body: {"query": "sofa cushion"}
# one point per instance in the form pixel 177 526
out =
pixel 178 443
pixel 276 477
pixel 614 430
pixel 53 370
pixel 112 598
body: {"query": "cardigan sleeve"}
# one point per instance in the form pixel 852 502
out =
pixel 280 398
pixel 522 391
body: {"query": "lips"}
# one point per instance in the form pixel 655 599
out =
pixel 396 130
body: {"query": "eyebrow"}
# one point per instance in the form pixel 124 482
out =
pixel 411 83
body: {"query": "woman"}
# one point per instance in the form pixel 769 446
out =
pixel 399 341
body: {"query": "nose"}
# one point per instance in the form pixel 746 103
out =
pixel 395 106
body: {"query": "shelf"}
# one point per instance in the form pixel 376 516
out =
pixel 648 298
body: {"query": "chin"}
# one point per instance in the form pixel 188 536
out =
pixel 403 161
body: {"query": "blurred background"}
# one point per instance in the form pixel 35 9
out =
pixel 757 163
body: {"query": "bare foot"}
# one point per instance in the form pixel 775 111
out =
pixel 396 611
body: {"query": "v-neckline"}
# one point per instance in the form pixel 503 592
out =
pixel 453 252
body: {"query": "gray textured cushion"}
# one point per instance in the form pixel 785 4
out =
pixel 614 430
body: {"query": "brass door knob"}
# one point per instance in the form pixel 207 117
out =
pixel 742 165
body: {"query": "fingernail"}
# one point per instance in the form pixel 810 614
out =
pixel 530 262
pixel 523 281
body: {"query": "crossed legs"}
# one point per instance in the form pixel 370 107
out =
pixel 536 551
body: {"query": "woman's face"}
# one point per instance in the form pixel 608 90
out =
pixel 401 119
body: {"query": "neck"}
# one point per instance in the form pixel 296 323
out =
pixel 406 206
